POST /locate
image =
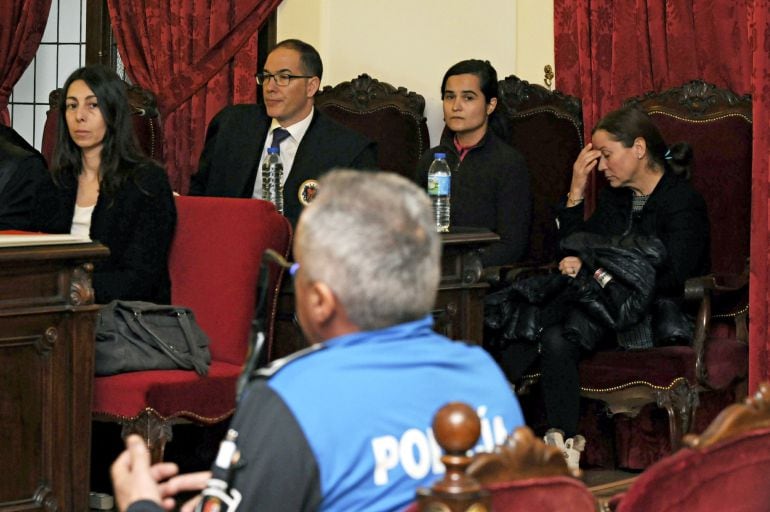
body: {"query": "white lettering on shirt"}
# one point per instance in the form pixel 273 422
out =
pixel 418 454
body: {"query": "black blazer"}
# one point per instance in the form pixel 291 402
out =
pixel 234 140
pixel 136 224
pixel 22 168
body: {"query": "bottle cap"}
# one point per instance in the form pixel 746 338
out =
pixel 439 155
pixel 273 151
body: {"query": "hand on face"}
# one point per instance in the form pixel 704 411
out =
pixel 584 164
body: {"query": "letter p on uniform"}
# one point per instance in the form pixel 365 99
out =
pixel 385 449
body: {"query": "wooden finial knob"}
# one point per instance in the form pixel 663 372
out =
pixel 456 428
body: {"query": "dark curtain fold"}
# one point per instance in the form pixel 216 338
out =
pixel 610 50
pixel 21 29
pixel 197 56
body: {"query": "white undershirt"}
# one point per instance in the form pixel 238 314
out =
pixel 81 221
pixel 288 147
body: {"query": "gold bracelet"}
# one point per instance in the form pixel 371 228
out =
pixel 573 202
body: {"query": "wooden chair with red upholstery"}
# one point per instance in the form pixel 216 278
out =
pixel 146 119
pixel 522 474
pixel 392 117
pixel 718 126
pixel 214 265
pixel 725 468
pixel 546 127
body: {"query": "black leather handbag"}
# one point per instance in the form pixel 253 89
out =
pixel 134 335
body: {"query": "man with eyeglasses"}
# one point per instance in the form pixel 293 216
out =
pixel 346 424
pixel 310 142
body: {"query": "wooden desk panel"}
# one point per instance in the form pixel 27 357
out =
pixel 46 354
pixel 459 309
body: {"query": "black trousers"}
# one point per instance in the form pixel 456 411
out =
pixel 560 381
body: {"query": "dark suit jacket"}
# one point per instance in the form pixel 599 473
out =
pixel 136 224
pixel 234 141
pixel 22 168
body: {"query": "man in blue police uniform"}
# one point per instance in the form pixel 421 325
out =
pixel 346 423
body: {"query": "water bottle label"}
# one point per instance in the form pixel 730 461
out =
pixel 438 185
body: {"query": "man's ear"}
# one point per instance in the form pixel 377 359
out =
pixel 324 304
pixel 313 84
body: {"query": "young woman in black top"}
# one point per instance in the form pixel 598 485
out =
pixel 103 188
pixel 490 182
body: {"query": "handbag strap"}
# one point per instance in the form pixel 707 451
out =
pixel 197 358
pixel 176 356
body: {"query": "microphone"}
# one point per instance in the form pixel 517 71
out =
pixel 254 357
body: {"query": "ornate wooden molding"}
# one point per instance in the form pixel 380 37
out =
pixel 81 289
pixel 697 99
pixel 153 428
pixel 47 342
pixel 518 95
pixel 522 456
pixel 367 93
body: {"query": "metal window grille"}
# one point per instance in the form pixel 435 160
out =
pixel 62 51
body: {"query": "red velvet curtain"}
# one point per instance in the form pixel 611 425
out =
pixel 609 50
pixel 197 56
pixel 759 345
pixel 21 28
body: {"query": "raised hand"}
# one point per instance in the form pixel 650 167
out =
pixel 584 164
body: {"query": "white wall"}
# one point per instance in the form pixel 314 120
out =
pixel 411 43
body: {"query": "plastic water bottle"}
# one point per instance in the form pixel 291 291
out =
pixel 272 178
pixel 439 181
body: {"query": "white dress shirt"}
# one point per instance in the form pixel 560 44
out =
pixel 288 149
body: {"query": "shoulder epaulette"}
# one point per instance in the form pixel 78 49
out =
pixel 274 367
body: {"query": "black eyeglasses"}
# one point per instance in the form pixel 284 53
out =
pixel 281 79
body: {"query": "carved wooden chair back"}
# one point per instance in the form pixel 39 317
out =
pixel 546 127
pixel 392 117
pixel 717 123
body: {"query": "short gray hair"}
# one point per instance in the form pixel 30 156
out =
pixel 370 237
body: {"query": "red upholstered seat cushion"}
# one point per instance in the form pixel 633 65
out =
pixel 726 360
pixel 171 393
pixel 732 476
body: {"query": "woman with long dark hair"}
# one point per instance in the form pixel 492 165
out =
pixel 102 187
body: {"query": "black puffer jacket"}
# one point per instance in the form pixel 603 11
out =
pixel 587 311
